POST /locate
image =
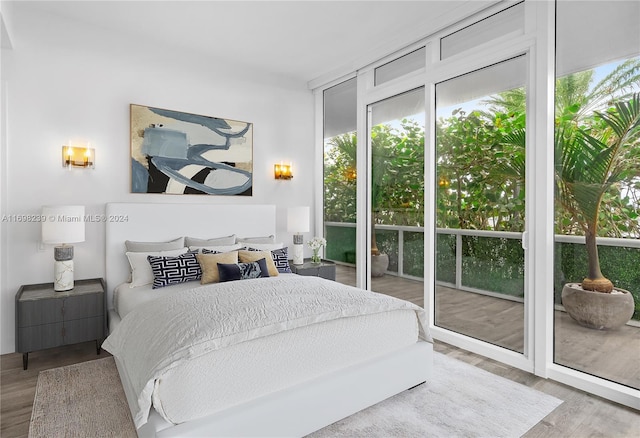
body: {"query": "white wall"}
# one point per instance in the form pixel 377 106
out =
pixel 66 81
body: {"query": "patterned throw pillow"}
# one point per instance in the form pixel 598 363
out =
pixel 174 270
pixel 280 259
pixel 243 271
pixel 253 256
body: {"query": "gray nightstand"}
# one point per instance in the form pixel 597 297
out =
pixel 46 318
pixel 324 269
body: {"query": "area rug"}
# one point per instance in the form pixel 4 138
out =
pixel 86 400
pixel 459 401
pixel 81 400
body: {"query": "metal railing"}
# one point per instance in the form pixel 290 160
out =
pixel 459 235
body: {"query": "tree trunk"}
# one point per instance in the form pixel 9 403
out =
pixel 595 281
pixel 592 255
pixel 374 244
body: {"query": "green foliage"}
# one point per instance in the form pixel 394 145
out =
pixel 388 244
pixel 480 171
pixel 341 244
pixel 397 175
pixel 488 263
pixel 397 180
pixel 446 258
pixel 340 179
pixel 481 179
pixel 591 162
pixel 413 260
pixel 493 264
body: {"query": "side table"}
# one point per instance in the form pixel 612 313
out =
pixel 46 318
pixel 325 269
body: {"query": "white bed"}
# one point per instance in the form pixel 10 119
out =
pixel 289 383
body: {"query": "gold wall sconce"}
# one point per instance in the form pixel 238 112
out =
pixel 283 171
pixel 78 157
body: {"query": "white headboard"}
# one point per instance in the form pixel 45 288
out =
pixel 163 222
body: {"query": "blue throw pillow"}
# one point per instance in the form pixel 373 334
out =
pixel 173 270
pixel 242 271
pixel 280 258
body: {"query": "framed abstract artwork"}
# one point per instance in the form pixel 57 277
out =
pixel 181 153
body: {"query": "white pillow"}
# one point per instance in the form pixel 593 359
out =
pixel 226 240
pixel 133 246
pixel 264 246
pixel 261 239
pixel 141 272
pixel 217 248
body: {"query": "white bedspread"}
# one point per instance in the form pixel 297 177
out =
pixel 170 330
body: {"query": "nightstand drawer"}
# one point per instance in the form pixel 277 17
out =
pixel 81 330
pixel 83 306
pixel 39 337
pixel 38 312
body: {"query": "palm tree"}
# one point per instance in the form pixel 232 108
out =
pixel 573 99
pixel 588 164
pixel 575 103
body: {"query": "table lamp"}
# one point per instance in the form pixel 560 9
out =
pixel 62 225
pixel 298 223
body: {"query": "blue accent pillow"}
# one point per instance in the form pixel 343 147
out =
pixel 173 270
pixel 242 271
pixel 280 258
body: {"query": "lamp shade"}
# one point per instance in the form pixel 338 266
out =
pixel 298 219
pixel 63 224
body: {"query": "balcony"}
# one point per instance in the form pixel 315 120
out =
pixel 465 304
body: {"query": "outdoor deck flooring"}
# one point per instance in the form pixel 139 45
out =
pixel 610 354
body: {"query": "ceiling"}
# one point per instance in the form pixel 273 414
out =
pixel 301 40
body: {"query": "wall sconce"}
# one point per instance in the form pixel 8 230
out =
pixel 78 157
pixel 282 171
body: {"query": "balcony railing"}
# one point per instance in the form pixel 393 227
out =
pixel 487 262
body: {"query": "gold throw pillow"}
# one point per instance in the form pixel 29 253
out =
pixel 209 265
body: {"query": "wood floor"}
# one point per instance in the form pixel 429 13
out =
pixel 18 386
pixel 581 415
pixel 610 354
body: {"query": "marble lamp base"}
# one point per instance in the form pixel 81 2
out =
pixel 298 254
pixel 298 249
pixel 63 268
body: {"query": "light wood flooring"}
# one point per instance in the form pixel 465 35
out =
pixel 610 354
pixel 581 415
pixel 18 386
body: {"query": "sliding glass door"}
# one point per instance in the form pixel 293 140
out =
pixel 340 178
pixel 480 204
pixel 597 139
pixel 396 195
pixel 498 256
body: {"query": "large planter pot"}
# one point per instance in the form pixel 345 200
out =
pixel 379 264
pixel 597 310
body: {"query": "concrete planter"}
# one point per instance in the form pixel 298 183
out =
pixel 597 310
pixel 379 264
